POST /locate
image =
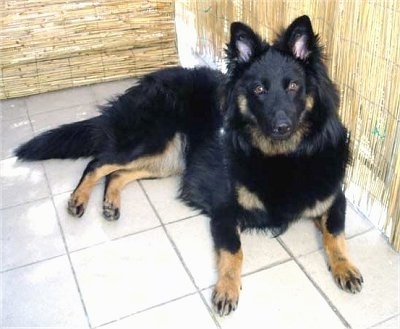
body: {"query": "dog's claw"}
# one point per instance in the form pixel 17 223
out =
pixel 224 303
pixel 349 279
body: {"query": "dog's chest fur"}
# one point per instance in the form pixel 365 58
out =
pixel 274 191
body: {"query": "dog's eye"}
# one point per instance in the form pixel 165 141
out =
pixel 259 90
pixel 293 86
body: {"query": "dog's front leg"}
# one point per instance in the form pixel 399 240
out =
pixel 229 264
pixel 345 273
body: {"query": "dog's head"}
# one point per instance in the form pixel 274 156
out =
pixel 272 88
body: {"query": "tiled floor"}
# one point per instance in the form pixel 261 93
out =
pixel 154 268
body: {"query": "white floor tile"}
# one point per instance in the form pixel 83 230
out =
pixel 393 323
pixel 188 312
pixel 64 175
pixel 163 195
pixel 13 108
pixel 21 182
pixel 280 297
pixel 355 224
pixel 13 133
pixel 59 99
pixel 30 233
pixel 380 267
pixel 303 237
pixel 193 240
pixel 260 250
pixel 42 295
pixel 48 120
pixel 128 275
pixel 92 228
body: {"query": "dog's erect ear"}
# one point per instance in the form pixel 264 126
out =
pixel 299 38
pixel 244 43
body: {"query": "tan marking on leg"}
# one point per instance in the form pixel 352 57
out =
pixel 346 275
pixel 247 199
pixel 79 198
pixel 112 197
pixel 166 163
pixel 226 292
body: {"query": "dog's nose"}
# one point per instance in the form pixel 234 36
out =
pixel 282 128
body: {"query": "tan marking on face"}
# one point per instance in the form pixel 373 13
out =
pixel 247 199
pixel 319 208
pixel 309 103
pixel 242 103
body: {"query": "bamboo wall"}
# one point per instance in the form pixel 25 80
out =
pixel 53 44
pixel 363 51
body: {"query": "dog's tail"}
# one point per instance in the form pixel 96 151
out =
pixel 69 141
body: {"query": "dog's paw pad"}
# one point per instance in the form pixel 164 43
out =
pixel 75 208
pixel 110 212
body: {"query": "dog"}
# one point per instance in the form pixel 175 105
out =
pixel 257 148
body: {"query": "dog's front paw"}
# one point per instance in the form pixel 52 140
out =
pixel 225 297
pixel 76 206
pixel 347 276
pixel 110 211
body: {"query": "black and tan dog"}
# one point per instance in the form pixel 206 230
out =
pixel 257 148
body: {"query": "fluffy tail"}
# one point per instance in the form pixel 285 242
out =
pixel 70 141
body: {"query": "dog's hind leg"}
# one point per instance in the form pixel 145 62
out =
pixel 346 275
pixel 166 161
pixel 94 171
pixel 115 182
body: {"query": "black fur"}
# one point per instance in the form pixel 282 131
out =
pixel 226 120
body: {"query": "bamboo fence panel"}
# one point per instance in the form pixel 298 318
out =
pixel 52 44
pixel 363 57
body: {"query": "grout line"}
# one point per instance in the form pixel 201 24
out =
pixel 210 311
pixel 115 239
pixel 269 266
pixel 358 211
pixel 321 292
pixel 145 309
pixel 383 321
pixel 182 219
pixel 355 235
pixel 67 252
pixel 32 263
pixel 22 203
